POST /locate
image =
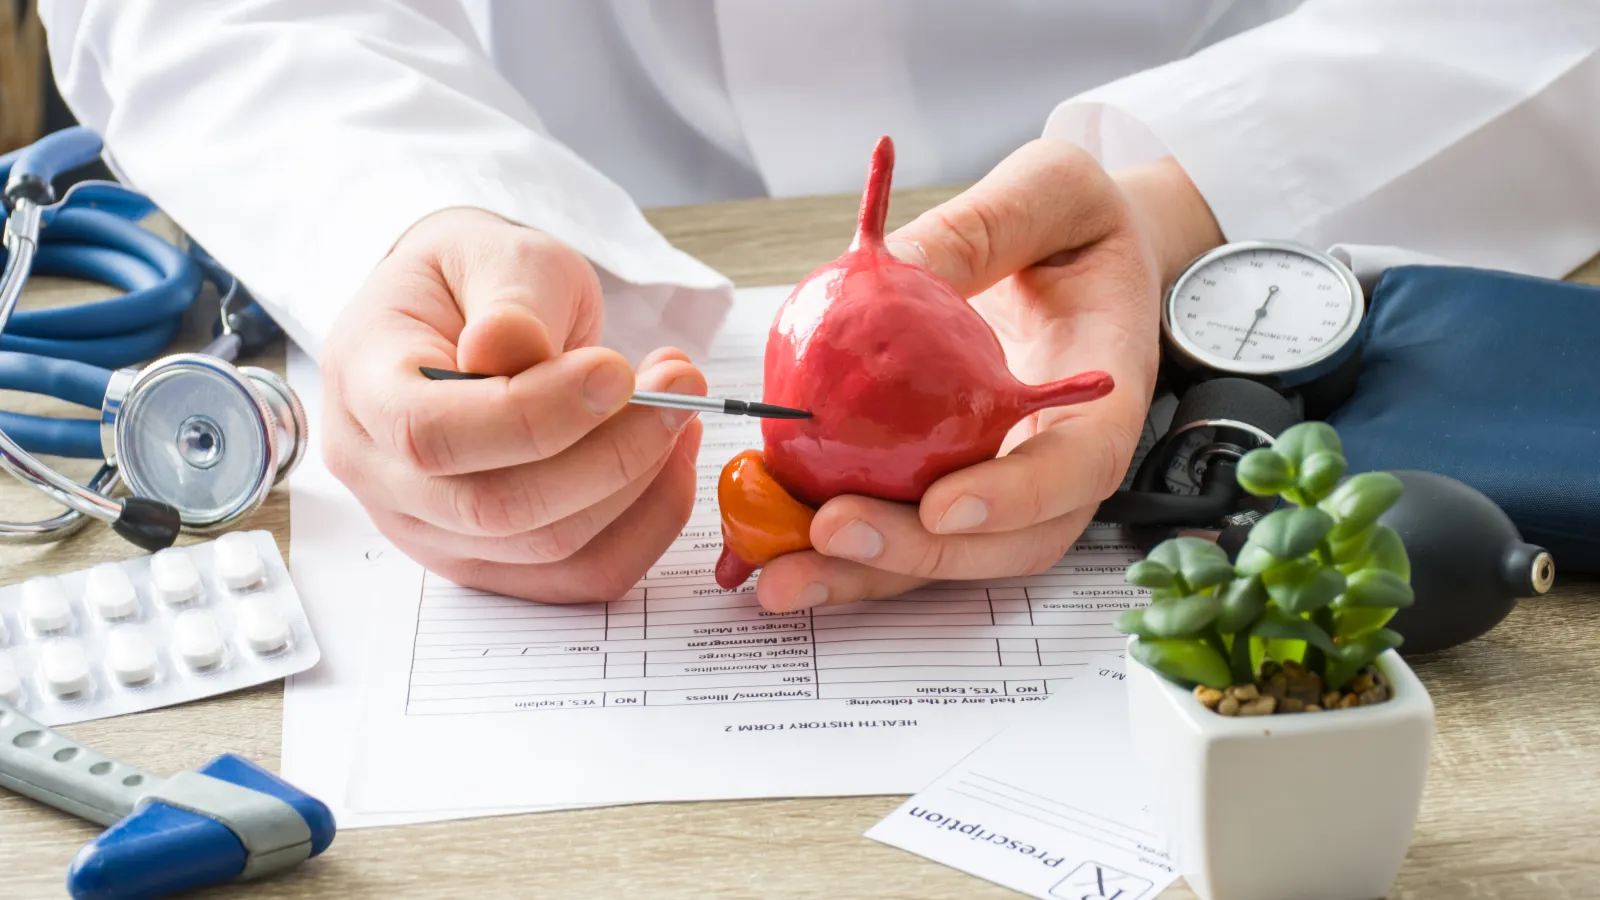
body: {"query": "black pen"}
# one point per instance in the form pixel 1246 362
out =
pixel 668 401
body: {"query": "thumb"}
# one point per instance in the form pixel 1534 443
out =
pixel 503 338
pixel 524 297
pixel 1047 197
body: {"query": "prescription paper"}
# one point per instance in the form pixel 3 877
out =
pixel 684 691
pixel 1053 806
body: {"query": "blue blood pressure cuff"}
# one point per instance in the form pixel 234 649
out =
pixel 1493 379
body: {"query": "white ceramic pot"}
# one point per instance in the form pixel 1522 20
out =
pixel 1303 806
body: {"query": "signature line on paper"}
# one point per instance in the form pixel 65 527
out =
pixel 1103 837
pixel 1050 800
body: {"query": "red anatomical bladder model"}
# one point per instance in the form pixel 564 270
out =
pixel 905 382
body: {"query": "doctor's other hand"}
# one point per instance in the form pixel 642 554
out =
pixel 1066 262
pixel 543 484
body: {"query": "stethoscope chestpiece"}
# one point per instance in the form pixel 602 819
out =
pixel 209 439
pixel 288 414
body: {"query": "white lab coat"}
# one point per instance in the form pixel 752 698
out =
pixel 297 139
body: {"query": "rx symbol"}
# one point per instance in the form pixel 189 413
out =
pixel 1093 881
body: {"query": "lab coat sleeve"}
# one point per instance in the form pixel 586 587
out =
pixel 296 140
pixel 1462 130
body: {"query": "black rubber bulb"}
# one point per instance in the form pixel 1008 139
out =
pixel 1469 564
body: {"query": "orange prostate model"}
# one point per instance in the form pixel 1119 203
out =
pixel 905 382
pixel 760 521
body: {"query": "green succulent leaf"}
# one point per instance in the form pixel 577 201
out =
pixel 1300 442
pixel 1183 617
pixel 1303 586
pixel 1291 533
pixel 1358 652
pixel 1240 602
pixel 1285 650
pixel 1319 473
pixel 1388 552
pixel 1131 621
pixel 1187 661
pixel 1349 622
pixel 1253 560
pixel 1275 624
pixel 1201 563
pixel 1352 549
pixel 1376 589
pixel 1264 472
pixel 1210 574
pixel 1383 550
pixel 1360 500
pixel 1149 573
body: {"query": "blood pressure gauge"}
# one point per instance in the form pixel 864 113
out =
pixel 1282 315
pixel 1268 310
pixel 1257 336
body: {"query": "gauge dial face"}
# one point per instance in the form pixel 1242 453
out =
pixel 1263 308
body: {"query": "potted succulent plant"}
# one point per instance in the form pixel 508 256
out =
pixel 1287 741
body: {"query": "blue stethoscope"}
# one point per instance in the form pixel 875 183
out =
pixel 198 442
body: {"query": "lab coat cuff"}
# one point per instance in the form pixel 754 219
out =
pixel 1212 130
pixel 655 294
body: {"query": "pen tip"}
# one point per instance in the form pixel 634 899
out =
pixel 769 411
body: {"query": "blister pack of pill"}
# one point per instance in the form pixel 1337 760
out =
pixel 175 626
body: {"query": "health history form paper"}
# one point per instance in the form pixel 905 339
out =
pixel 685 691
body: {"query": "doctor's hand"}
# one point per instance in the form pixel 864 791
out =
pixel 543 484
pixel 1066 263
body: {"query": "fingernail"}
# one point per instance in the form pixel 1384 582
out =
pixel 677 418
pixel 813 594
pixel 967 512
pixel 858 540
pixel 607 389
pixel 908 251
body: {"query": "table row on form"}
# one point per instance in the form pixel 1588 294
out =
pixel 511 669
pixel 874 693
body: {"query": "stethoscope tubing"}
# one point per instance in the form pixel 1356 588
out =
pixel 21 244
pixel 65 379
pixel 154 274
pixel 68 522
pixel 70 352
pixel 158 284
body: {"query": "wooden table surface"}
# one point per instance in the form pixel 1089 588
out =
pixel 1512 807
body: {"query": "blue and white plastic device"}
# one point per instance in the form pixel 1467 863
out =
pixel 231 820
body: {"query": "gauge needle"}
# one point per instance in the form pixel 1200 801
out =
pixel 1261 313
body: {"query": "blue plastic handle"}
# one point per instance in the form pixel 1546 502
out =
pixel 160 850
pixel 56 154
